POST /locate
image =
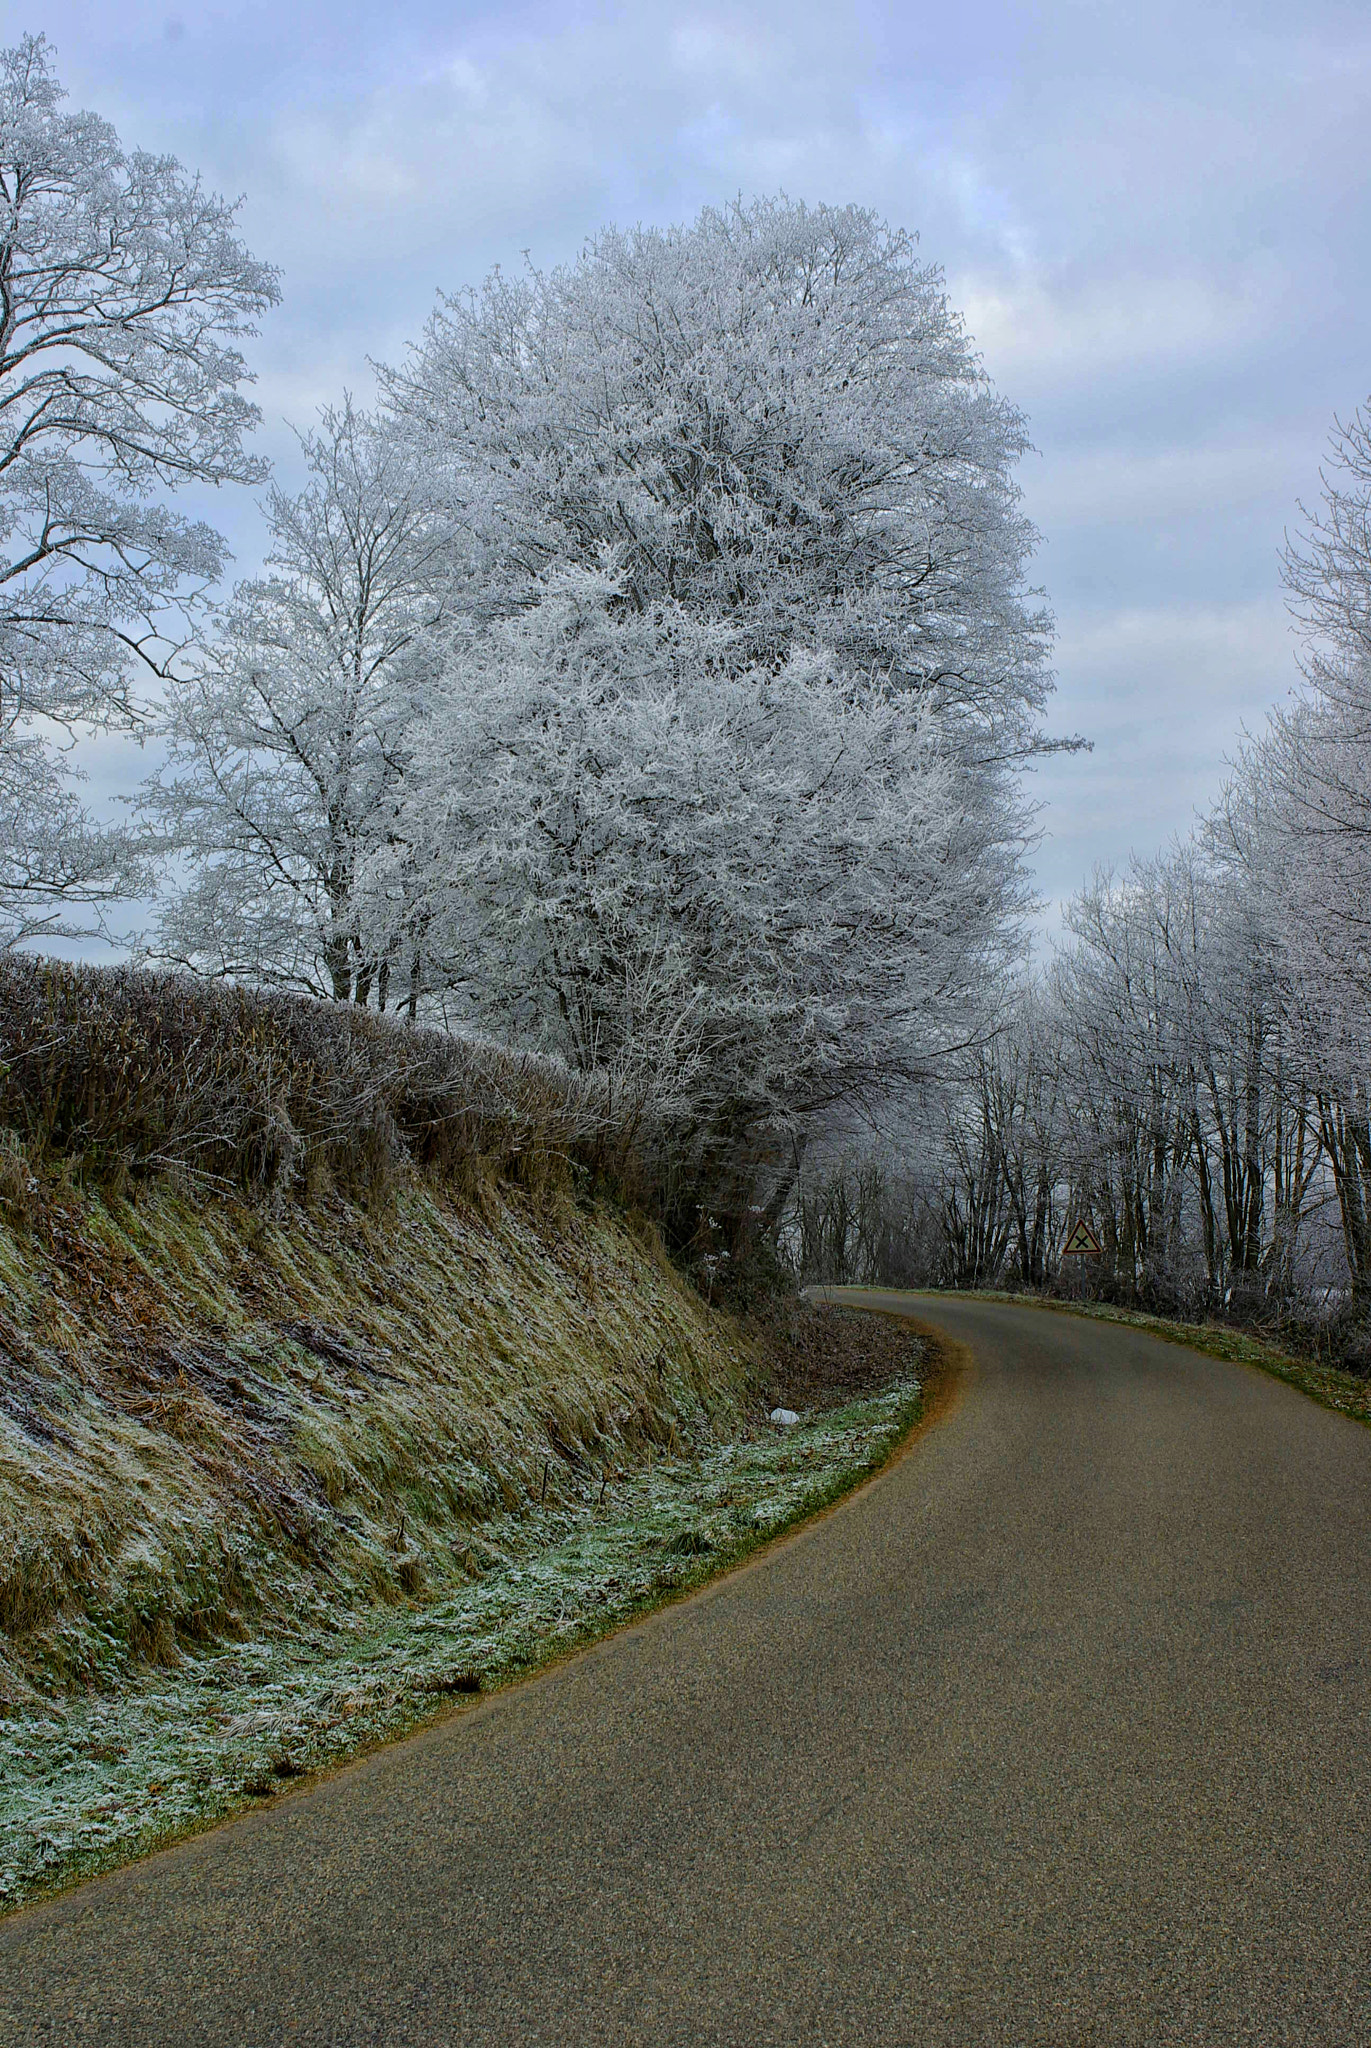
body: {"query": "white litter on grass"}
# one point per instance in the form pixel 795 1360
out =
pixel 785 1418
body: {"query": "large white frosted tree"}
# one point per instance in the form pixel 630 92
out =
pixel 773 418
pixel 766 888
pixel 123 291
pixel 721 782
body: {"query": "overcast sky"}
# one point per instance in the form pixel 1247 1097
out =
pixel 1156 220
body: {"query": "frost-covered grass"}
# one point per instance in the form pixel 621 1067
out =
pixel 213 1422
pixel 90 1779
pixel 276 1479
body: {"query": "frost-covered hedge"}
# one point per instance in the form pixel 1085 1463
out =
pixel 130 1071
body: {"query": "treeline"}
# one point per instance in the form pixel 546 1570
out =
pixel 1190 1072
pixel 643 687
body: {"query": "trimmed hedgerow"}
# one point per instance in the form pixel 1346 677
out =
pixel 129 1071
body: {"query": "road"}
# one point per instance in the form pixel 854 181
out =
pixel 1060 1732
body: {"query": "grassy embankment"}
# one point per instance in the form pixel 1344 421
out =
pixel 285 1464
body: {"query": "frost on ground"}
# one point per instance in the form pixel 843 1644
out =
pixel 212 1423
pixel 274 1482
pixel 89 1780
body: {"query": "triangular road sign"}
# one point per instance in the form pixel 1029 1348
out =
pixel 1081 1238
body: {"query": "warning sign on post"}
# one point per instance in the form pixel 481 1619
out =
pixel 1081 1241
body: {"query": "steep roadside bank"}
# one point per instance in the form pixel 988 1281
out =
pixel 213 1422
pixel 272 1490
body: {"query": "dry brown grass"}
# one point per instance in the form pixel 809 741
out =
pixel 213 1420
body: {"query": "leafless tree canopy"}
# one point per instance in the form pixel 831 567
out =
pixel 122 293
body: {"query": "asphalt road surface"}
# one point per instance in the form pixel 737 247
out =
pixel 1060 1732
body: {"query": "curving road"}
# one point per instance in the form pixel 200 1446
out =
pixel 1058 1733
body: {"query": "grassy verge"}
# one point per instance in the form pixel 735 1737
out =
pixel 1345 1392
pixel 342 1369
pixel 93 1779
pixel 213 1424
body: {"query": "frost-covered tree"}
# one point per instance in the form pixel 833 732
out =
pixel 1313 770
pixel 1262 1044
pixel 757 892
pixel 122 292
pixel 964 1184
pixel 731 735
pixel 1318 759
pixel 290 737
pixel 1190 1137
pixel 1131 1077
pixel 772 418
pixel 1162 1079
pixel 1021 1078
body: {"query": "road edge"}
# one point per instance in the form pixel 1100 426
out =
pixel 1341 1393
pixel 940 1393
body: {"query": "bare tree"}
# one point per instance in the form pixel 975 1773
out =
pixel 291 737
pixel 122 290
